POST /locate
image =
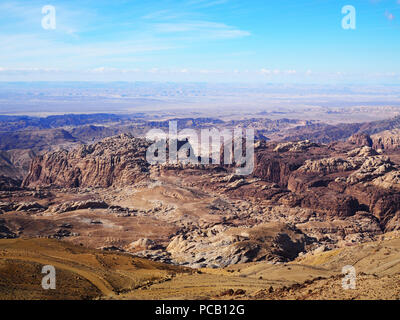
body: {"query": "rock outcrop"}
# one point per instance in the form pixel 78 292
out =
pixel 5 232
pixel 301 197
pixel 361 140
pixel 337 179
pixel 9 184
pixel 115 161
pixel 387 140
pixel 79 205
pixel 300 146
pixel 222 246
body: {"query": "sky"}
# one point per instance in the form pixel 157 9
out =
pixel 273 41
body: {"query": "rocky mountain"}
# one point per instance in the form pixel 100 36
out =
pixel 18 148
pixel 300 197
pixel 22 123
pixel 25 136
pixel 339 179
pixel 387 140
pixel 326 133
pixel 113 161
pixel 35 139
pixel 7 168
pixel 92 133
pixel 303 196
pixel 361 140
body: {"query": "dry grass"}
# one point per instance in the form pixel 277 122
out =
pixel 91 274
pixel 81 273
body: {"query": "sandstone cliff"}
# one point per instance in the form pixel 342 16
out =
pixel 115 161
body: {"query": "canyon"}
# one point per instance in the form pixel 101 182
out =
pixel 305 198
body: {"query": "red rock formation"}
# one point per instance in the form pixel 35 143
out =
pixel 360 140
pixel 387 140
pixel 113 161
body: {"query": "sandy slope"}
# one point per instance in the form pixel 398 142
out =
pixel 81 273
pixel 88 274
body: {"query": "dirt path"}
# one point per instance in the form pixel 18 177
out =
pixel 100 283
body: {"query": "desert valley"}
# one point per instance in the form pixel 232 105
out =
pixel 199 158
pixel 77 193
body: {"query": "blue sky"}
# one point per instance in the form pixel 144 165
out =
pixel 201 40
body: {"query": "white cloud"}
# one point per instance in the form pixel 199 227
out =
pixel 265 71
pixel 277 72
pixel 29 49
pixel 203 29
pixel 206 3
pixel 270 72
